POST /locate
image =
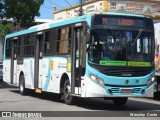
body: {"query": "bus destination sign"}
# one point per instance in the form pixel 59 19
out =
pixel 121 21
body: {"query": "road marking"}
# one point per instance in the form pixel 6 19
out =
pixel 146 100
pixel 1 95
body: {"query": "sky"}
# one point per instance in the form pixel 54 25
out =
pixel 46 10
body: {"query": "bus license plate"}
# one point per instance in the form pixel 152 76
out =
pixel 126 91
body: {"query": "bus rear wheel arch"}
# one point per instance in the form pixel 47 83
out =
pixel 120 101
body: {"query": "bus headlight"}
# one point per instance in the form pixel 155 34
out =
pixel 96 79
pixel 150 82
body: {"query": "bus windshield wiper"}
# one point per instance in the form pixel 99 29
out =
pixel 138 35
pixel 111 31
pixel 135 40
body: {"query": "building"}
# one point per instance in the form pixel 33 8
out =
pixel 149 8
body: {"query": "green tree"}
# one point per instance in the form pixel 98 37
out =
pixel 23 11
pixel 5 29
pixel 2 8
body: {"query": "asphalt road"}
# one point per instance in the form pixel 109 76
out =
pixel 11 100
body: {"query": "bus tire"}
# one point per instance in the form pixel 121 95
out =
pixel 22 88
pixel 68 99
pixel 120 101
pixel 156 96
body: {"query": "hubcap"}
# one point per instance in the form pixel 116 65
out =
pixel 67 91
pixel 21 87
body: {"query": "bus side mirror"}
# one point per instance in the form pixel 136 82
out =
pixel 90 48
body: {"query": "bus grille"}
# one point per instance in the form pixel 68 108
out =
pixel 136 90
pixel 115 90
pixel 118 90
pixel 125 72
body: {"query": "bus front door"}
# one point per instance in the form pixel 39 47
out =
pixel 14 61
pixel 78 67
pixel 38 62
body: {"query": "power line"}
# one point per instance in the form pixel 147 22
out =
pixel 47 6
pixel 84 0
pixel 74 2
pixel 68 3
pixel 71 6
pixel 52 2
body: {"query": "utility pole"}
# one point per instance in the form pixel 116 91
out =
pixel 81 9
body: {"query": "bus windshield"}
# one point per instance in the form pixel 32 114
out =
pixel 120 47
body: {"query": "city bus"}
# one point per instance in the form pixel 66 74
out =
pixel 157 60
pixel 106 55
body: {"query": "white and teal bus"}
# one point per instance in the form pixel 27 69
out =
pixel 107 55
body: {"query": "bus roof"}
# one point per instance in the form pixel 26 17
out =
pixel 45 26
pixel 50 25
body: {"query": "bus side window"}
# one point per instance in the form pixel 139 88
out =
pixel 18 46
pixel 50 42
pixel 63 43
pixel 46 43
pixel 29 45
pixel 8 48
pixel 22 47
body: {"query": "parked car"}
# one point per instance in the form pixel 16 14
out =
pixel 1 72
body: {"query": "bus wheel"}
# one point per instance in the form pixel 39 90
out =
pixel 22 89
pixel 68 99
pixel 120 101
pixel 156 96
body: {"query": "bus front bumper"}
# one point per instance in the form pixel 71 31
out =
pixel 94 90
